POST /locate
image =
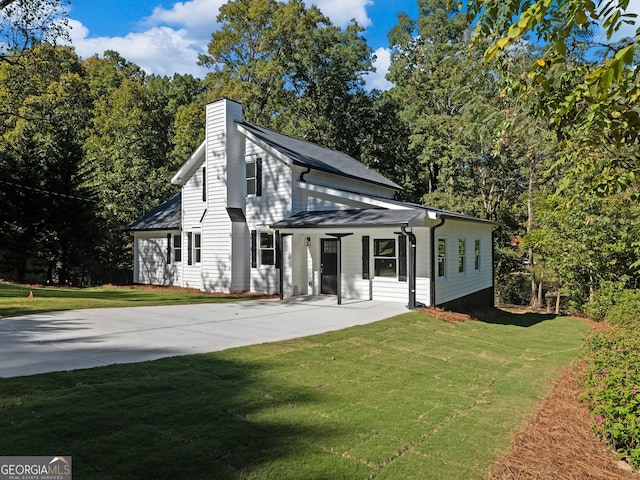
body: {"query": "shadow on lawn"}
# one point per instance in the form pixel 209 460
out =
pixel 496 316
pixel 499 316
pixel 182 417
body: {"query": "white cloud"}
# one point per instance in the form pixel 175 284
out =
pixel 341 12
pixel 197 16
pixel 170 39
pixel 159 50
pixel 377 79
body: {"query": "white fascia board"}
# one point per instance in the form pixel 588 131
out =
pixel 354 197
pixel 190 166
pixel 265 146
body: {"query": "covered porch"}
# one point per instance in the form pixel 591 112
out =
pixel 364 254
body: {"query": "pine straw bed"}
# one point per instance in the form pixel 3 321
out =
pixel 558 442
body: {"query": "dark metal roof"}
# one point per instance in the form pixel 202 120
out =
pixel 310 155
pixel 370 217
pixel 166 216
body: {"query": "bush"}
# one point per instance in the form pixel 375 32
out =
pixel 514 289
pixel 612 386
pixel 626 310
pixel 604 299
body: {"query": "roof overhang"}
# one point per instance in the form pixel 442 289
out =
pixel 189 167
pixel 361 218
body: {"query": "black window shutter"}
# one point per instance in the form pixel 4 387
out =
pixel 254 249
pixel 402 258
pixel 168 248
pixel 365 257
pixel 204 184
pixel 189 248
pixel 258 177
pixel 278 250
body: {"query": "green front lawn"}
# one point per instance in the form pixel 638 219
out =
pixel 14 299
pixel 410 397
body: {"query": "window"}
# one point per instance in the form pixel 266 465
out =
pixel 197 247
pixel 267 250
pixel 476 253
pixel 204 184
pixel 462 253
pixel 384 257
pixel 177 248
pixel 442 257
pixel 254 177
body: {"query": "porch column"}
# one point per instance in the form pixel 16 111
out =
pixel 411 260
pixel 280 259
pixel 339 272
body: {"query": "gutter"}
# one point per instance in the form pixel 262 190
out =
pixel 434 267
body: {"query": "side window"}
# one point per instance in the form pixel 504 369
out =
pixel 442 257
pixel 177 248
pixel 204 184
pixel 267 248
pixel 254 177
pixel 197 247
pixel 476 254
pixel 384 257
pixel 462 255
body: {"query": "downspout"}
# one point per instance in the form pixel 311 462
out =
pixel 412 266
pixel 304 173
pixel 493 266
pixel 434 268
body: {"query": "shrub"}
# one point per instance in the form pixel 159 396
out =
pixel 612 386
pixel 626 310
pixel 604 299
pixel 514 289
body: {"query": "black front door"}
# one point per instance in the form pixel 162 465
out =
pixel 329 266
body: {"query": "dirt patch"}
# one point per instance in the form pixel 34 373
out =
pixel 558 442
pixel 483 315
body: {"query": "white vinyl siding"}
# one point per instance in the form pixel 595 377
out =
pixel 275 202
pixel 150 259
pixel 456 285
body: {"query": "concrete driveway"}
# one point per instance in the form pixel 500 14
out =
pixel 58 341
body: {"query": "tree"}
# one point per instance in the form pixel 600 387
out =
pixel 47 109
pixel 25 23
pixel 290 67
pixel 597 117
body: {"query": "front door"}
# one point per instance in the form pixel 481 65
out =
pixel 329 266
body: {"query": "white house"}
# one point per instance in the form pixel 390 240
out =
pixel 264 212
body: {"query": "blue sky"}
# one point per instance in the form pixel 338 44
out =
pixel 165 37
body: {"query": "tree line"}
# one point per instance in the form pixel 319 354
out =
pixel 88 145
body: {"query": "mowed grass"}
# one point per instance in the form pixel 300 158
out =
pixel 410 397
pixel 14 299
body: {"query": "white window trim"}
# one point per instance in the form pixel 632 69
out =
pixel 462 241
pixel 444 258
pixel 394 258
pixel 260 249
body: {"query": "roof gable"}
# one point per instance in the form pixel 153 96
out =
pixel 310 155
